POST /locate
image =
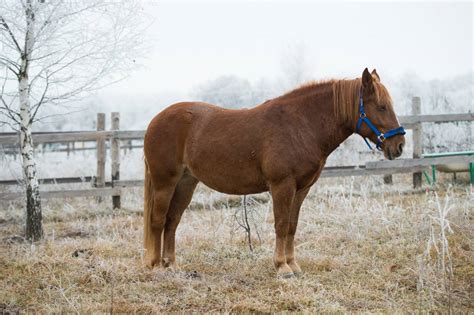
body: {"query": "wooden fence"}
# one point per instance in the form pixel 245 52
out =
pixel 101 188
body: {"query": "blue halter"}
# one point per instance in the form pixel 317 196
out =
pixel 381 137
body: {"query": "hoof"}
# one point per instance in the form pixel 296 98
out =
pixel 294 266
pixel 151 264
pixel 286 275
pixel 284 272
pixel 169 266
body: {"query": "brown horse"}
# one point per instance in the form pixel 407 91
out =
pixel 280 146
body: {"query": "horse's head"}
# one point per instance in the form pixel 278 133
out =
pixel 376 110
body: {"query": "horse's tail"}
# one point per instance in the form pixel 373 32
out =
pixel 149 240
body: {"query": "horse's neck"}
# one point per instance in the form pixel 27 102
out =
pixel 327 129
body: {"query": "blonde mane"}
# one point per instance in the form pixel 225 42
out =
pixel 346 97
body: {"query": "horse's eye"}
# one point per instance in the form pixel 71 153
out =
pixel 382 108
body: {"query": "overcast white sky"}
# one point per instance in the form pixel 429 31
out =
pixel 198 41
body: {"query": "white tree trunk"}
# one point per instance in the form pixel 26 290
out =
pixel 34 228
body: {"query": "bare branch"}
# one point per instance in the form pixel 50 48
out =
pixel 7 28
pixel 7 111
pixel 6 108
pixel 4 60
pixel 40 102
pixel 48 20
pixel 9 124
pixel 8 63
pixel 57 115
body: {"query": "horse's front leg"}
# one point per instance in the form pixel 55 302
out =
pixel 283 195
pixel 290 246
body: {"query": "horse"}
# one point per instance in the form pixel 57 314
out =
pixel 279 146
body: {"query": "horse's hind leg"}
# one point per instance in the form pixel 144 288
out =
pixel 181 198
pixel 161 201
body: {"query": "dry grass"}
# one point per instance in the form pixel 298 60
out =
pixel 364 247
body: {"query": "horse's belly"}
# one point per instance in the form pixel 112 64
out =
pixel 236 190
pixel 230 181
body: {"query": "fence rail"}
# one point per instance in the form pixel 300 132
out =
pixel 441 118
pixel 74 136
pixel 101 188
pixel 408 163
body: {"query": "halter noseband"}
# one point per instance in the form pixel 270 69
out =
pixel 381 137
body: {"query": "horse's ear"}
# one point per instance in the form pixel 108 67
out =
pixel 375 75
pixel 367 80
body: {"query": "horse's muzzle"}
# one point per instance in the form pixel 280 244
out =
pixel 394 149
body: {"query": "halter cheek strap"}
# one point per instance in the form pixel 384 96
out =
pixel 381 137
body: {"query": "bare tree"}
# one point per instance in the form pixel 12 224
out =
pixel 53 52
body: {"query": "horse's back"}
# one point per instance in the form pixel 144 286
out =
pixel 194 120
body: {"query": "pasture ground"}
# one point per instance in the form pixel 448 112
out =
pixel 363 247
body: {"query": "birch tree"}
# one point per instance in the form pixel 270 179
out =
pixel 53 52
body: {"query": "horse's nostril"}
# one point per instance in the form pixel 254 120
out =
pixel 400 147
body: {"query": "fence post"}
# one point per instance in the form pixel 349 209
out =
pixel 417 140
pixel 101 153
pixel 115 157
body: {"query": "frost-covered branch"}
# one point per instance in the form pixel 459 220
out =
pixel 12 37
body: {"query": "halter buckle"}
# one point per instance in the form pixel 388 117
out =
pixel 362 115
pixel 381 137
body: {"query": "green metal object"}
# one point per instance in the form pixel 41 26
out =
pixel 433 167
pixel 471 171
pixel 427 177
